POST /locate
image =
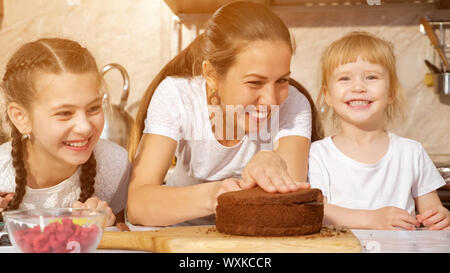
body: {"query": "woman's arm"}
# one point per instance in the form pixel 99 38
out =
pixel 294 151
pixel 152 204
pixel 282 170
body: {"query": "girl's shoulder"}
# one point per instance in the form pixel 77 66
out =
pixel 113 169
pixel 5 154
pixel 405 144
pixel 322 149
pixel 110 154
pixel 321 144
pixel 7 175
pixel 5 150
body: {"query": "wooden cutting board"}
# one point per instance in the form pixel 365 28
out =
pixel 206 239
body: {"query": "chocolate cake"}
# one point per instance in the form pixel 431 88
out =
pixel 254 212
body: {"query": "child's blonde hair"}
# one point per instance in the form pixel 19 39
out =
pixel 371 49
pixel 43 56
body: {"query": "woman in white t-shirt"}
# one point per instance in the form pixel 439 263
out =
pixel 371 178
pixel 239 66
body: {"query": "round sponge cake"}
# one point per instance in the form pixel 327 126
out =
pixel 254 212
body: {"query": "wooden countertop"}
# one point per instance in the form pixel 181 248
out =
pixel 371 241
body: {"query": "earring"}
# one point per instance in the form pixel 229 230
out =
pixel 214 98
pixel 26 136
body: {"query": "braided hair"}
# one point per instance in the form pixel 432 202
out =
pixel 51 56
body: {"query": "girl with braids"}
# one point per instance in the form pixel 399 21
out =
pixel 55 158
pixel 241 59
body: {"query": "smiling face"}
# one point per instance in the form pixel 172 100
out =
pixel 359 93
pixel 257 80
pixel 67 117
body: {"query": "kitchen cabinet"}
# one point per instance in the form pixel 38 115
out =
pixel 208 6
pixel 188 13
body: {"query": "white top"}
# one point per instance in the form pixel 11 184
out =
pixel 405 172
pixel 111 180
pixel 179 110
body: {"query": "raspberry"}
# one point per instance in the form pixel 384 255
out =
pixel 51 228
pixel 56 236
pixel 39 241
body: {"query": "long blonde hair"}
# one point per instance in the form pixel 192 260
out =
pixel 228 31
pixel 371 49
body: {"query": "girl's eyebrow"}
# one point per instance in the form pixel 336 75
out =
pixel 72 105
pixel 374 71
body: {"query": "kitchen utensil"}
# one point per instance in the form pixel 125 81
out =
pixel 434 69
pixel 207 239
pixel 435 42
pixel 442 83
pixel 117 120
pixel 444 170
pixel 55 230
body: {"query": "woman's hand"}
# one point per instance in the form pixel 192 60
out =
pixel 5 198
pixel 268 170
pixel 226 185
pixel 393 218
pixel 435 219
pixel 95 203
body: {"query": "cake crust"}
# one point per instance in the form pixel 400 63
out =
pixel 257 196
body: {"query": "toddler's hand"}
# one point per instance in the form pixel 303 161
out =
pixel 95 203
pixel 435 218
pixel 393 218
pixel 5 198
pixel 268 170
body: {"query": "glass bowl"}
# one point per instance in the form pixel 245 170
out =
pixel 58 230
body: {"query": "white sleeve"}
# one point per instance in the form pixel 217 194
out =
pixel 318 173
pixel 7 171
pixel 163 114
pixel 295 116
pixel 118 201
pixel 113 174
pixel 429 178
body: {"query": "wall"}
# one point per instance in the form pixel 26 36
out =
pixel 134 34
pixel 140 35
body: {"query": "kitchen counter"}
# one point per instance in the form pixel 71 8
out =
pixel 419 241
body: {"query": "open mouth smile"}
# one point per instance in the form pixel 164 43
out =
pixel 77 145
pixel 358 104
pixel 259 116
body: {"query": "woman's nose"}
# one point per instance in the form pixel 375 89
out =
pixel 268 96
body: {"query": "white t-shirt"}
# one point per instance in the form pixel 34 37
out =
pixel 405 172
pixel 179 110
pixel 111 180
